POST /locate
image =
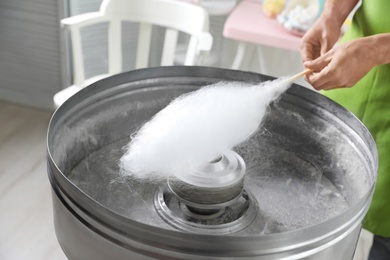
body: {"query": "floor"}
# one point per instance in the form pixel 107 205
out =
pixel 26 219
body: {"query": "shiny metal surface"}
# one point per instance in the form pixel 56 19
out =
pixel 216 184
pixel 311 170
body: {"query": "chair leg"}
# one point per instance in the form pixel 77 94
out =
pixel 261 60
pixel 240 54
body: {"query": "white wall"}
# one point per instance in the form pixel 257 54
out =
pixel 31 65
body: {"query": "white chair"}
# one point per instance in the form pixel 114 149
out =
pixel 175 16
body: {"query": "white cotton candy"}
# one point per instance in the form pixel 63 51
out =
pixel 197 127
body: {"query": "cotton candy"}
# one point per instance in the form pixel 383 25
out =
pixel 198 127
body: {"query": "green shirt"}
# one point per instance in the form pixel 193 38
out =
pixel 369 100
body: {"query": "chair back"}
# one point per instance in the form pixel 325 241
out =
pixel 173 15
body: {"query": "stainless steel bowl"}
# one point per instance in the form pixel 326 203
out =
pixel 310 173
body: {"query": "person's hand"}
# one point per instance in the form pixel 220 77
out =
pixel 321 37
pixel 342 66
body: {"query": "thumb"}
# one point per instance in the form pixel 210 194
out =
pixel 319 63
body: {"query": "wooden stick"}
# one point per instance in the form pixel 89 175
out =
pixel 300 74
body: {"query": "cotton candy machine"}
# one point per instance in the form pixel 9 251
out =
pixel 297 189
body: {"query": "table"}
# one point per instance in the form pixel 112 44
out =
pixel 248 24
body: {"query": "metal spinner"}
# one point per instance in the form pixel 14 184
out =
pixel 211 200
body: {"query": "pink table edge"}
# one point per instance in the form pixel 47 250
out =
pixel 247 23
